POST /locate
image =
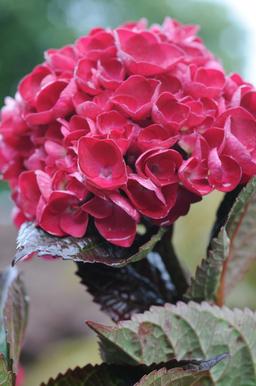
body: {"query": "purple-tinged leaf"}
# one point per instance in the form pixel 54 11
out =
pixel 121 292
pixel 99 375
pixel 13 320
pixel 90 249
pixel 115 375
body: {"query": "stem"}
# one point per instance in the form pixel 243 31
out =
pixel 179 275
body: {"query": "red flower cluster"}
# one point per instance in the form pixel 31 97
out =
pixel 125 123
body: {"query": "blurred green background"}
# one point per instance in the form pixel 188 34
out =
pixel 57 337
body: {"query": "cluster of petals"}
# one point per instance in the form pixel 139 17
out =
pixel 126 124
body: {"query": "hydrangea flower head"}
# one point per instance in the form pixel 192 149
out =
pixel 125 124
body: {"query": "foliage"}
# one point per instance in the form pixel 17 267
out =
pixel 97 376
pixel 231 252
pixel 169 344
pixel 90 249
pixel 164 333
pixel 114 375
pixel 128 290
pixel 13 320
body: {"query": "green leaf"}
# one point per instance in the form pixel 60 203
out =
pixel 230 253
pixel 13 319
pixel 186 331
pixel 208 275
pixel 90 249
pixel 241 230
pixel 6 377
pixel 98 375
pixel 173 377
pixel 189 374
